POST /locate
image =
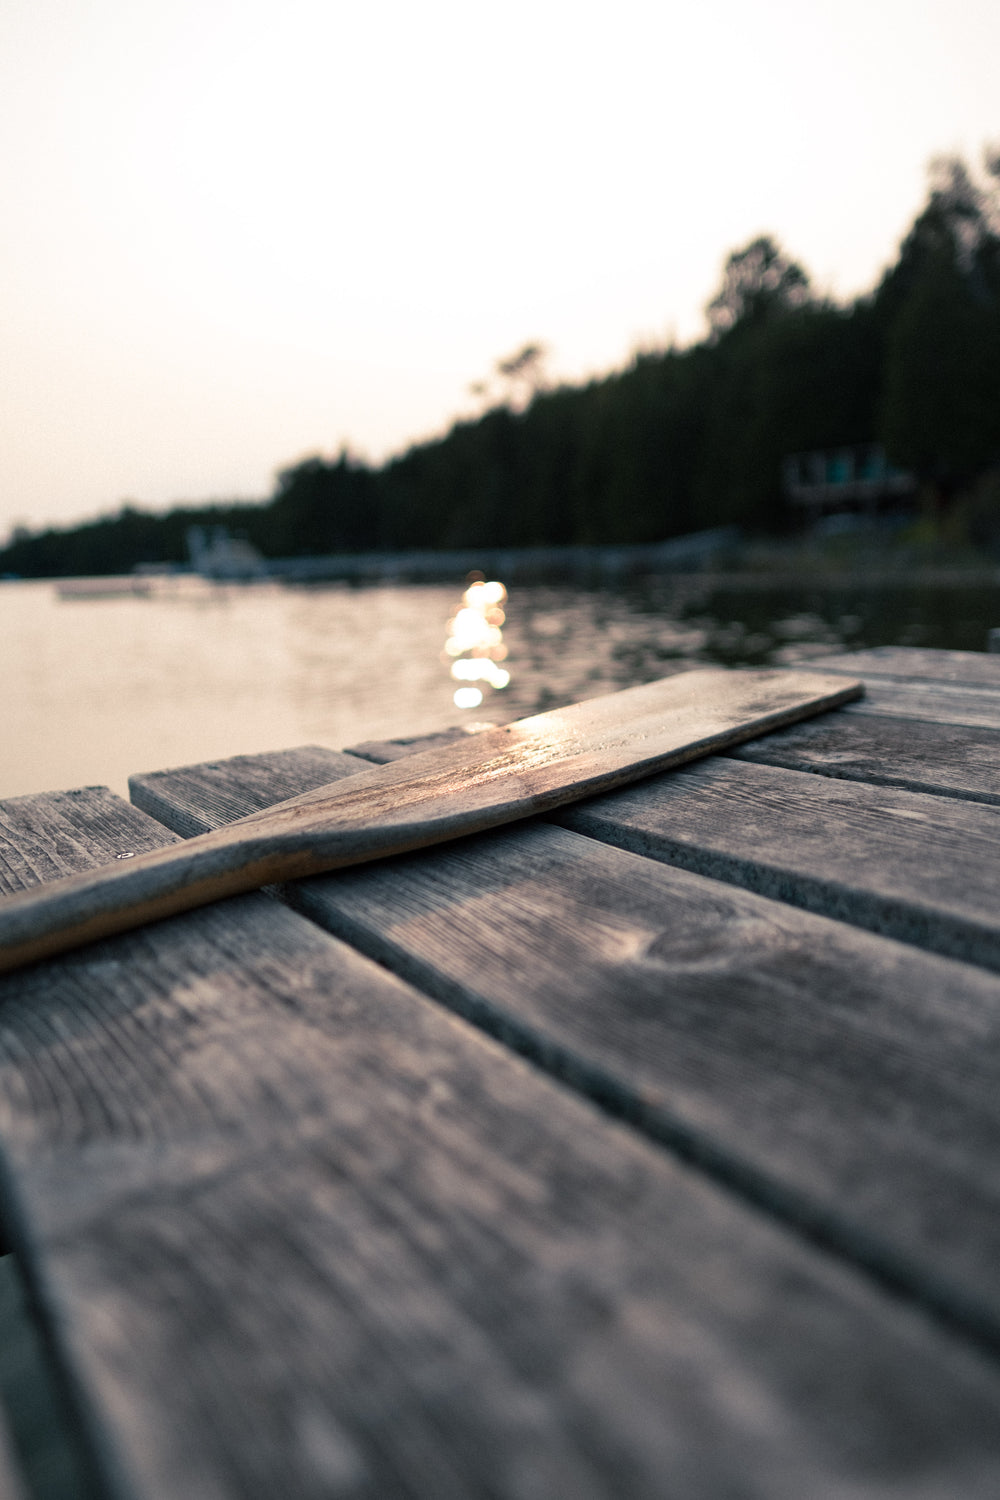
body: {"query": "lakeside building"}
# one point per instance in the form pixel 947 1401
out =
pixel 858 481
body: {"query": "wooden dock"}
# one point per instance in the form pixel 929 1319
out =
pixel 648 1150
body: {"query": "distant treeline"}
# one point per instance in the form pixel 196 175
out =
pixel 681 440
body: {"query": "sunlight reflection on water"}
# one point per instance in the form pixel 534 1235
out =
pixel 475 645
pixel 97 688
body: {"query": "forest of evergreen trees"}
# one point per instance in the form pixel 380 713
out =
pixel 682 439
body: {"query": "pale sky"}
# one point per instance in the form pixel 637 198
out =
pixel 238 232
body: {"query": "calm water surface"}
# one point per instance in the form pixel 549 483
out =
pixel 96 688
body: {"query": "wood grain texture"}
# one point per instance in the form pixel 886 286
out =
pixel 497 777
pixel 41 838
pixel 848 1082
pixel 941 759
pixel 935 702
pixel 380 752
pixel 300 1232
pixel 913 663
pixel 919 868
pixel 227 789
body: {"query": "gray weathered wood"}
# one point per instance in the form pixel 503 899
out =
pixel 300 1232
pixel 10 1484
pixel 497 777
pixel 917 663
pixel 44 1448
pixel 846 1080
pixel 935 702
pixel 380 752
pixel 945 687
pixel 40 839
pixel 920 868
pixel 942 759
pixel 234 787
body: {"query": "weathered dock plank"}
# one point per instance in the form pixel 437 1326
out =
pixel 382 751
pixel 911 663
pixel 44 1449
pixel 945 760
pixel 42 837
pixel 901 863
pixel 944 687
pixel 300 1231
pixel 223 787
pixel 786 1050
pixel 935 702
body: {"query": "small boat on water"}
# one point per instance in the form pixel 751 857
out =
pixel 127 586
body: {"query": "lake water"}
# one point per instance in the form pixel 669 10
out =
pixel 95 688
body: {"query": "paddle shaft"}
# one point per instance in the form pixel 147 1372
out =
pixel 466 787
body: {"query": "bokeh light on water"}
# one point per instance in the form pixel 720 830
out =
pixel 475 646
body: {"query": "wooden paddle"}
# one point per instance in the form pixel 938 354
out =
pixel 465 787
